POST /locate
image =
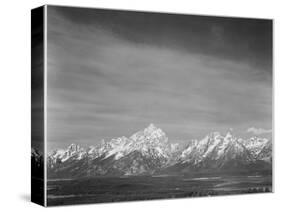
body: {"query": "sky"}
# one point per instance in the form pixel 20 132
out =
pixel 112 73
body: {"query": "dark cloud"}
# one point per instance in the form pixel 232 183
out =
pixel 112 73
pixel 249 40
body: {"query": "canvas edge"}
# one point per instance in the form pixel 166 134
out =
pixel 37 39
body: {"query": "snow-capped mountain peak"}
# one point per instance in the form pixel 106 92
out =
pixel 153 131
pixel 150 133
pixel 151 127
pixel 148 150
pixel 229 135
pixel 73 151
pixel 72 148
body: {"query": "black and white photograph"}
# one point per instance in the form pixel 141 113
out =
pixel 134 105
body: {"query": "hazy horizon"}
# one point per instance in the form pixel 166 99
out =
pixel 112 73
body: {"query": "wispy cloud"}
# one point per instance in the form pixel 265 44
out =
pixel 102 85
pixel 258 131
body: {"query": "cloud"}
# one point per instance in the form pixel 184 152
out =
pixel 258 131
pixel 102 85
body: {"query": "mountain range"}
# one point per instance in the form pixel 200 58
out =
pixel 148 152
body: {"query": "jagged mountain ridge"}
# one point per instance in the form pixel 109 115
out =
pixel 148 152
pixel 37 163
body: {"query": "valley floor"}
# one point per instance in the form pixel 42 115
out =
pixel 106 189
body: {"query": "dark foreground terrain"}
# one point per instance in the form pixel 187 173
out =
pixel 98 190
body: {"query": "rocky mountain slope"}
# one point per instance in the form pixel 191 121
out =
pixel 148 152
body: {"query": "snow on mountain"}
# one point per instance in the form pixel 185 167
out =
pixel 148 150
pixel 151 140
pixel 35 154
pixel 255 145
pixel 36 157
pixel 215 151
pixel 74 152
pixel 266 152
